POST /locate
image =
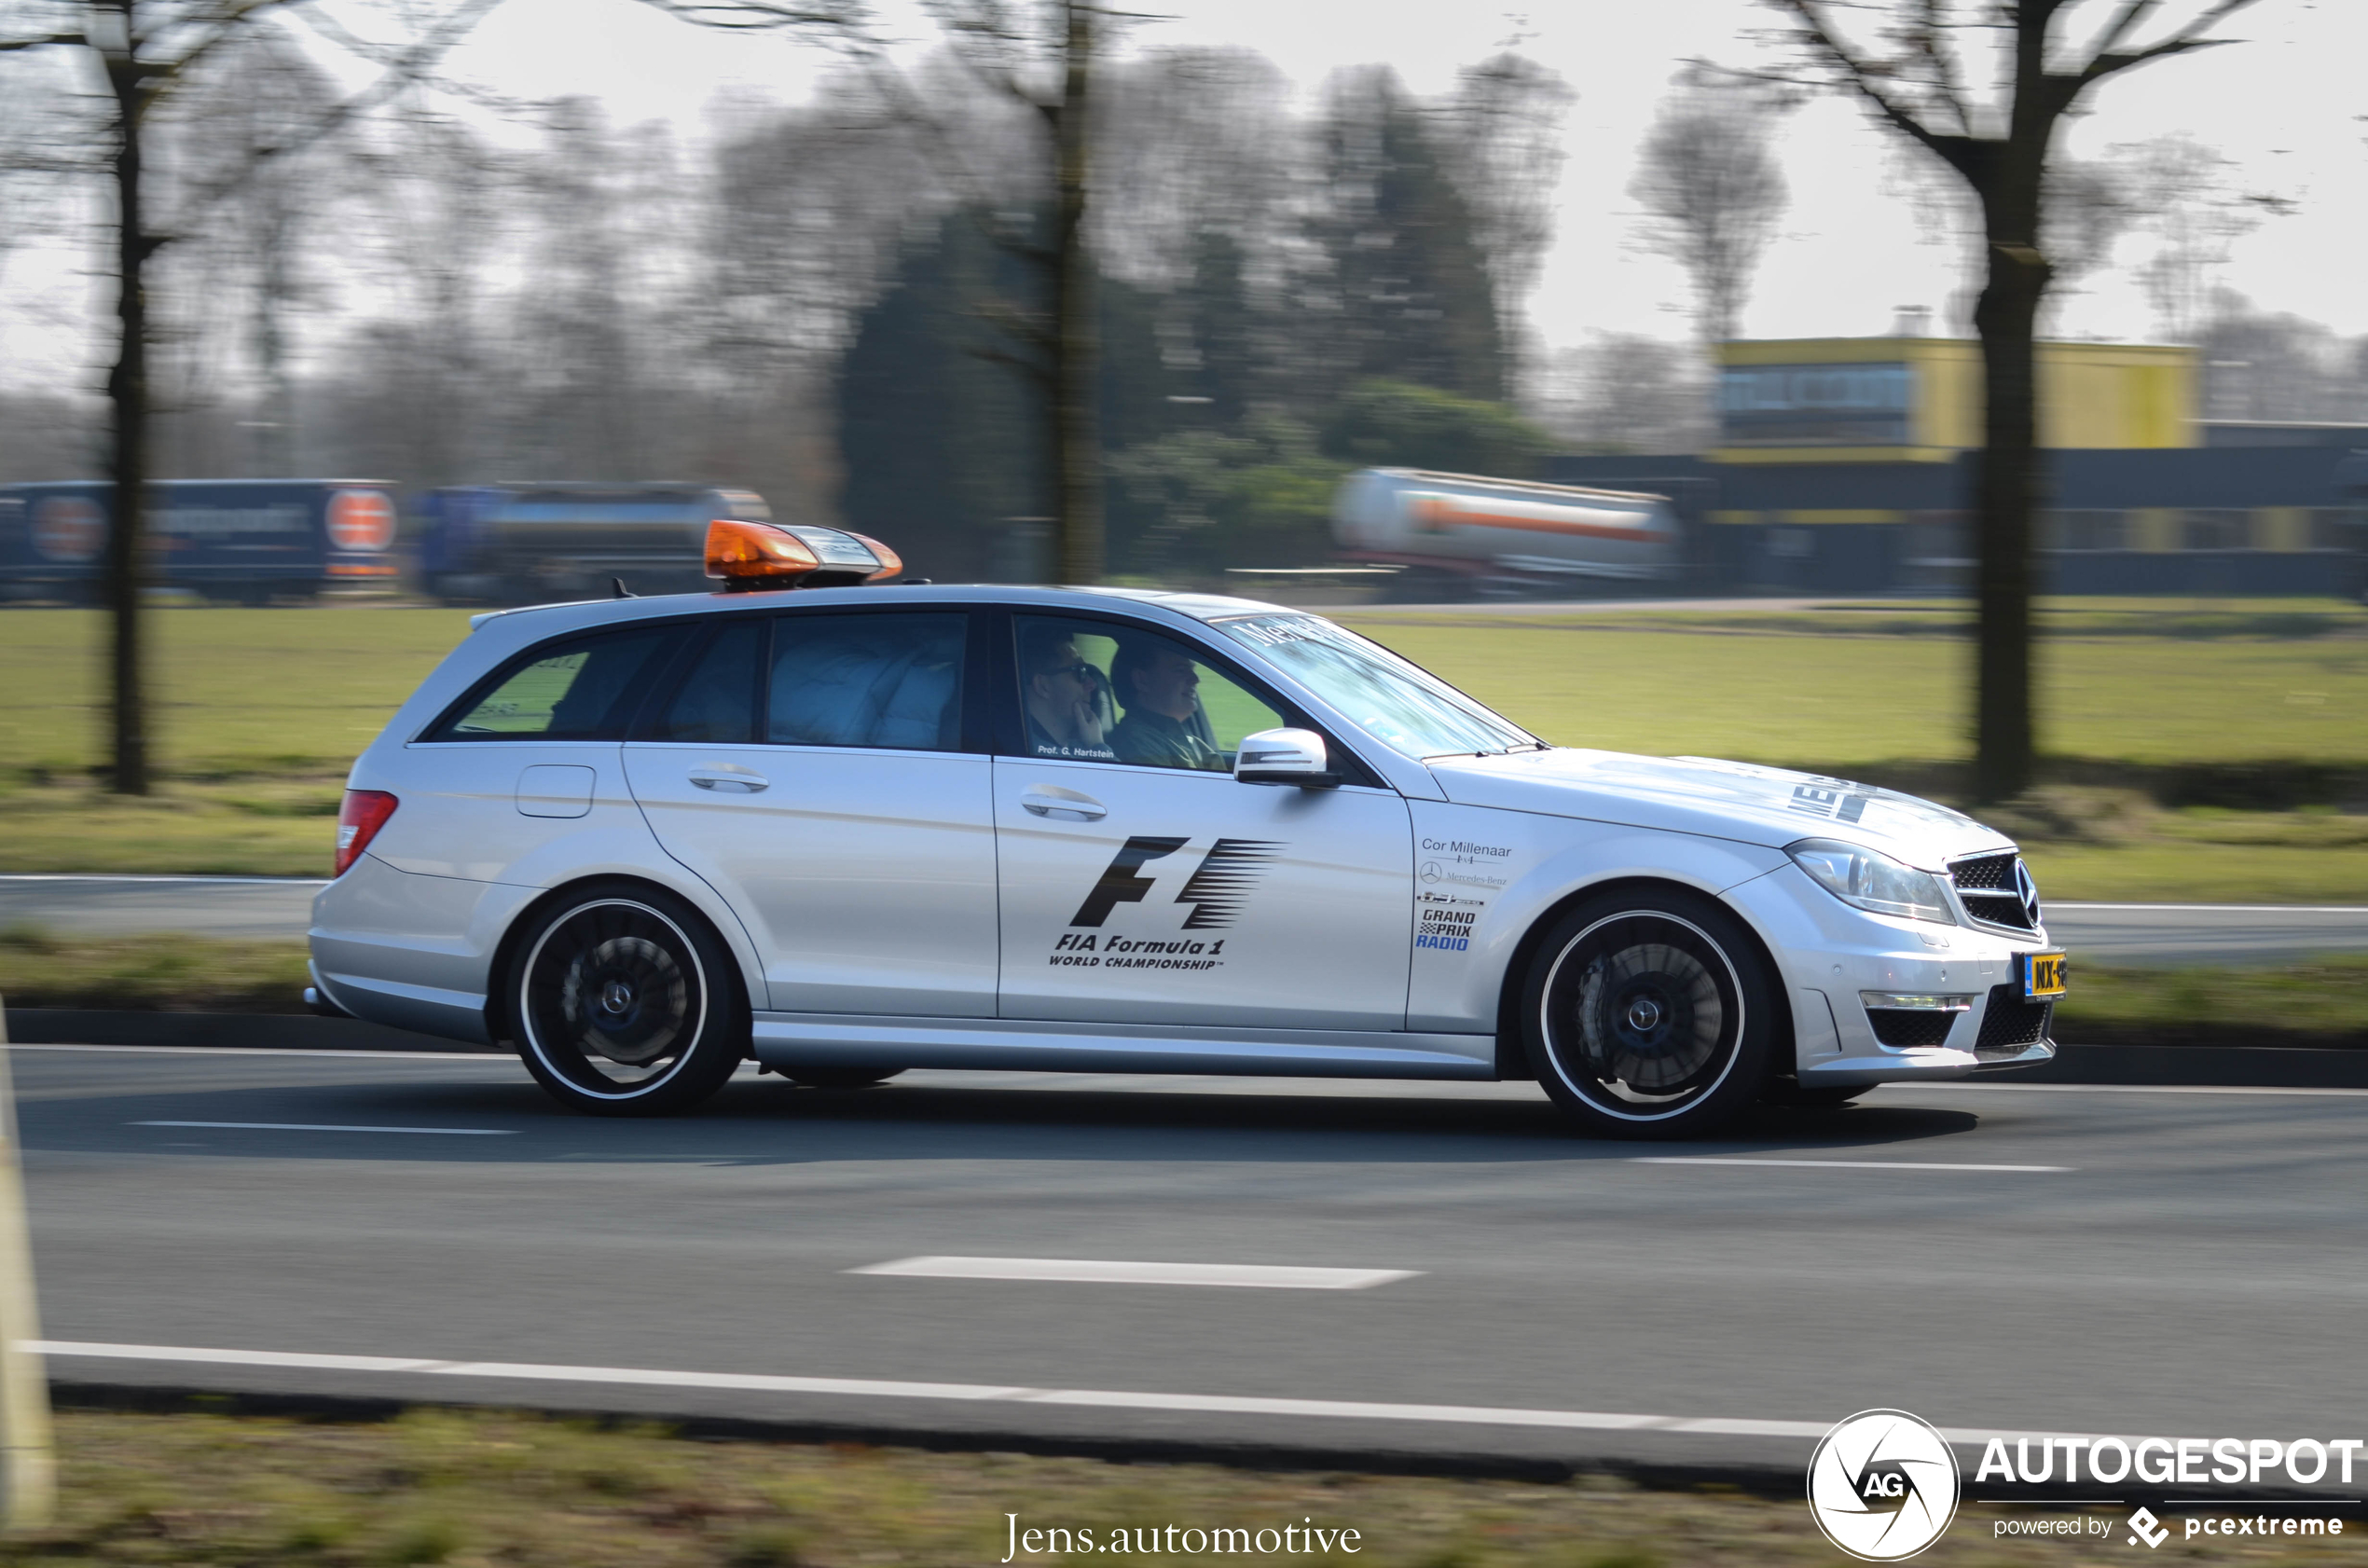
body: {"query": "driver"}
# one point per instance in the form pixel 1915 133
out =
pixel 1065 695
pixel 1158 686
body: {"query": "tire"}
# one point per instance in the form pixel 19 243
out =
pixel 1649 1014
pixel 838 1078
pixel 623 1002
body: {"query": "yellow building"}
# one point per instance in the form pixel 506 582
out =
pixel 1827 400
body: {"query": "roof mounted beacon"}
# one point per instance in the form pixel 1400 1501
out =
pixel 753 557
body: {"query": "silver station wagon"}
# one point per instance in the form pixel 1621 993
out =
pixel 848 828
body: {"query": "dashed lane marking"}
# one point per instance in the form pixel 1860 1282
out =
pixel 333 1127
pixel 1078 1271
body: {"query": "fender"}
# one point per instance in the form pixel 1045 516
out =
pixel 1508 869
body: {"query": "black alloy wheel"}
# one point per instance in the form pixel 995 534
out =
pixel 626 1004
pixel 1649 1016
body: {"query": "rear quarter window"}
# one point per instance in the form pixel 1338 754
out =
pixel 582 688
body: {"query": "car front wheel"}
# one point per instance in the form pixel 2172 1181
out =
pixel 626 1003
pixel 1649 1016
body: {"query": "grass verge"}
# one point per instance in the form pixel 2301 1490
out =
pixel 150 973
pixel 2323 1002
pixel 2157 713
pixel 443 1487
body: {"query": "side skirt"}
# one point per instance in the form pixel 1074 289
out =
pixel 1030 1045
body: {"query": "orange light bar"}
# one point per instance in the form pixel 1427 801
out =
pixel 737 552
pixel 890 562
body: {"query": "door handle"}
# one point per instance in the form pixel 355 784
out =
pixel 1066 805
pixel 731 783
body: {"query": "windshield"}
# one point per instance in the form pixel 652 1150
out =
pixel 1398 704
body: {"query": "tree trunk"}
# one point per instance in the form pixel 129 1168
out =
pixel 2007 490
pixel 126 563
pixel 1077 447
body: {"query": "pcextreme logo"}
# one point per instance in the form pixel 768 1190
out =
pixel 1882 1485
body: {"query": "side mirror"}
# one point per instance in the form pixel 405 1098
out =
pixel 1285 756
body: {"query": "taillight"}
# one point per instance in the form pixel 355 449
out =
pixel 364 812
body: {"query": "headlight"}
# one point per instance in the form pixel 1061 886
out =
pixel 1872 882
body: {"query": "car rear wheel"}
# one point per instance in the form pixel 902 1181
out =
pixel 626 1004
pixel 1649 1016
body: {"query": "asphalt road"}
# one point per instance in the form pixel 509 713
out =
pixel 267 907
pixel 2183 1263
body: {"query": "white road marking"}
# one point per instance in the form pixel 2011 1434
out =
pixel 331 1127
pixel 1833 1164
pixel 126 876
pixel 496 1057
pixel 2114 1089
pixel 2225 908
pixel 1223 1404
pixel 1077 1271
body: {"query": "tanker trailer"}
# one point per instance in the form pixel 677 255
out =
pixel 1464 534
pixel 527 542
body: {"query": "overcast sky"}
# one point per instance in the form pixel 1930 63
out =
pixel 2287 104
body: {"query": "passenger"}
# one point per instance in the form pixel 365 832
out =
pixel 1158 688
pixel 1067 699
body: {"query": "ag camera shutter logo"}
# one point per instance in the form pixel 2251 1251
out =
pixel 1882 1485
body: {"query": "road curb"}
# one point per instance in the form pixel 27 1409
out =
pixel 2219 1066
pixel 1775 1481
pixel 254 1031
pixel 2230 1066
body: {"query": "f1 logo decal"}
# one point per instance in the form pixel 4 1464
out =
pixel 1119 884
pixel 1217 889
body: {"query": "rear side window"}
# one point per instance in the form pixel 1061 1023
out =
pixel 582 689
pixel 717 704
pixel 892 680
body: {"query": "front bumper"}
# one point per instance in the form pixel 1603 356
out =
pixel 1830 952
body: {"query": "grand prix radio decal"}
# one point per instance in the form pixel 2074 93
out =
pixel 1217 893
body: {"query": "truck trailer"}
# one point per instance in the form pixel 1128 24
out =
pixel 241 539
pixel 1461 534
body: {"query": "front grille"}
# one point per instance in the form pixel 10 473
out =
pixel 1988 887
pixel 2010 1022
pixel 1904 1026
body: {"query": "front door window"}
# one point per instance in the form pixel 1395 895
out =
pixel 1143 884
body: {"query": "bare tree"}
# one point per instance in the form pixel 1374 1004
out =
pixel 245 274
pixel 1623 392
pixel 143 51
pixel 1191 141
pixel 2183 196
pixel 2259 365
pixel 1713 193
pixel 1503 146
pixel 1912 76
pixel 1044 62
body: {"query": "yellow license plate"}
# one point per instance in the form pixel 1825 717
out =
pixel 2042 975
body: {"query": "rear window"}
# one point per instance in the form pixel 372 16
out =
pixel 893 681
pixel 579 689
